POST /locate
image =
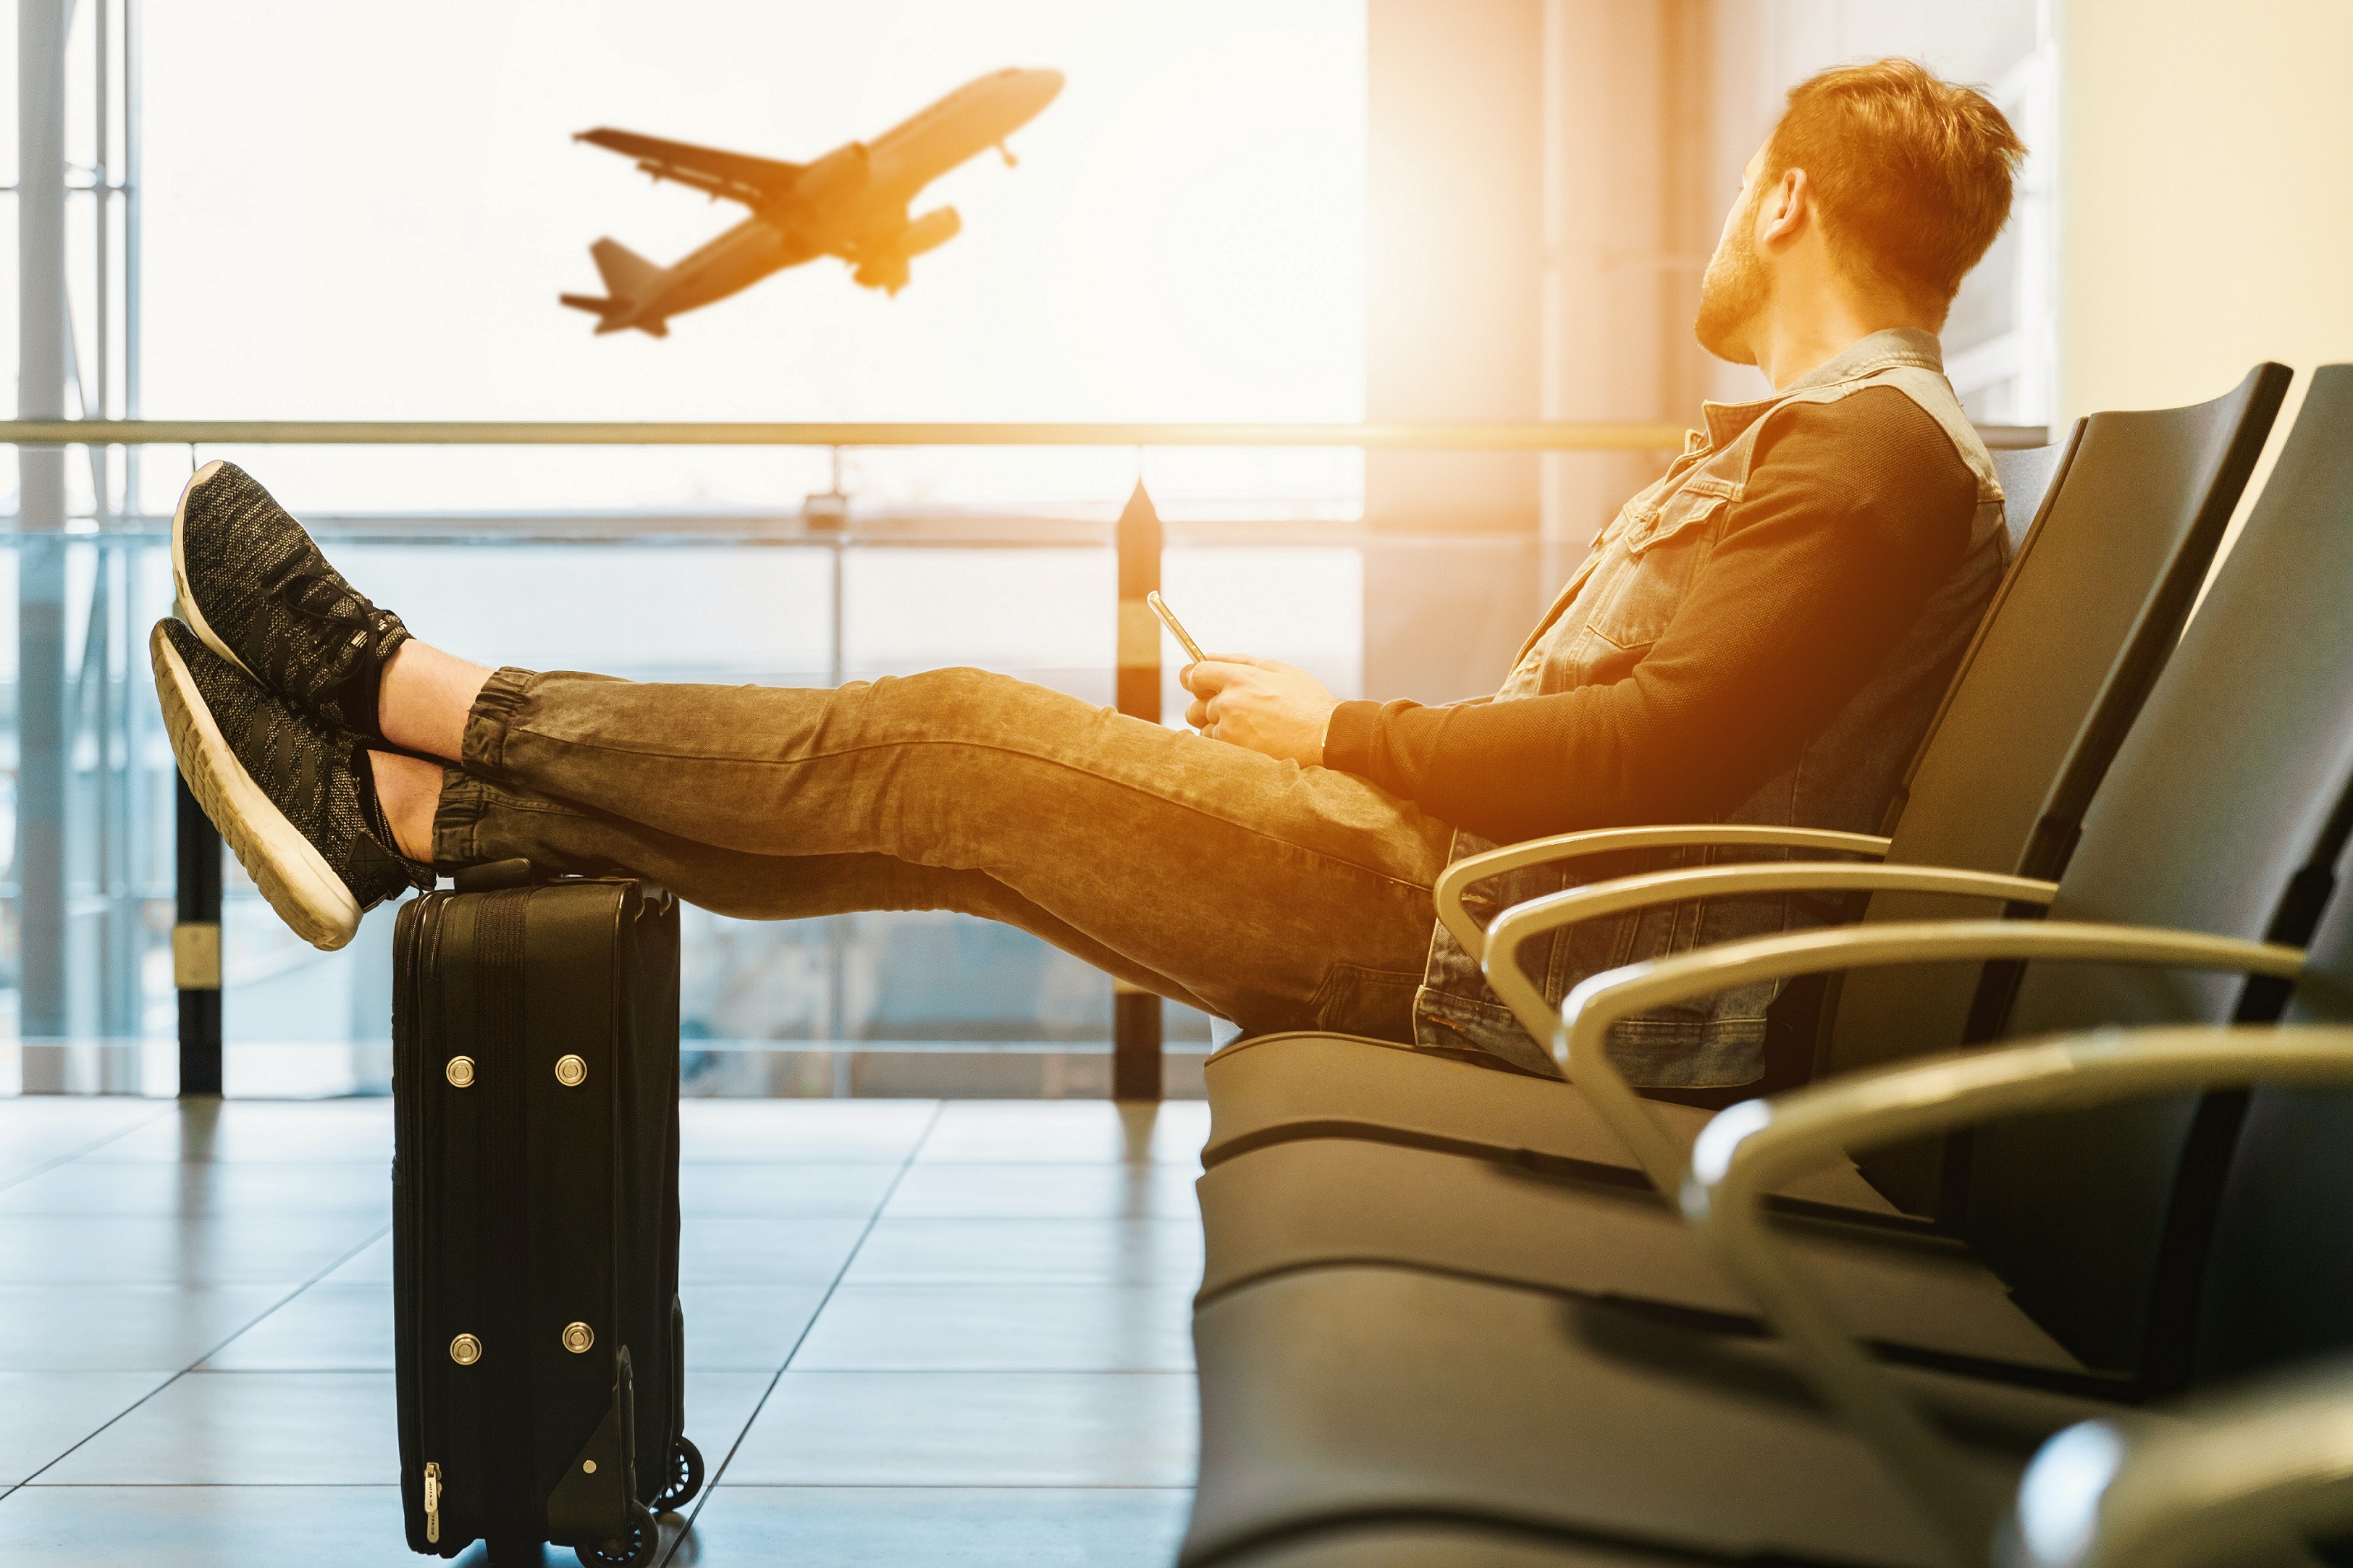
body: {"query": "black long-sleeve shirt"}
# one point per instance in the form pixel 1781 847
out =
pixel 1854 513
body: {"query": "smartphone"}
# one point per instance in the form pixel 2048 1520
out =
pixel 1176 629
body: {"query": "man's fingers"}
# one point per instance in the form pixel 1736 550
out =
pixel 1211 676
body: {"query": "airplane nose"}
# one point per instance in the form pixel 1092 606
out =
pixel 1045 86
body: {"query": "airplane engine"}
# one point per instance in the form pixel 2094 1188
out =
pixel 929 232
pixel 884 266
pixel 838 174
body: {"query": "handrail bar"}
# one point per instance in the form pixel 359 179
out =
pixel 1552 436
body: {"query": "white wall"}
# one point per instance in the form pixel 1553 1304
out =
pixel 2206 209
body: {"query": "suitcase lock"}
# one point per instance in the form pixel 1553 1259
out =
pixel 465 1350
pixel 571 1072
pixel 460 1072
pixel 578 1337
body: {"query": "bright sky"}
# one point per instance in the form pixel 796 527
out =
pixel 353 216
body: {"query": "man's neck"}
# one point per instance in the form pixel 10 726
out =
pixel 1791 343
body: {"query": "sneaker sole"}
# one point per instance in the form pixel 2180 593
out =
pixel 288 868
pixel 190 611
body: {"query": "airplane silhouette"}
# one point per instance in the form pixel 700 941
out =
pixel 851 203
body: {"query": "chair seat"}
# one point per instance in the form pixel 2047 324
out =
pixel 1276 1089
pixel 1365 1395
pixel 1326 1201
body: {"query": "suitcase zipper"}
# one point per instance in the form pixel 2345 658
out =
pixel 432 1502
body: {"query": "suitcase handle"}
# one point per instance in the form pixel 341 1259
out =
pixel 496 875
pixel 521 873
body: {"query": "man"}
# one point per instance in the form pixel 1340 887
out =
pixel 1760 636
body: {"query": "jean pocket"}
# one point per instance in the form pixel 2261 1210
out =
pixel 1375 1003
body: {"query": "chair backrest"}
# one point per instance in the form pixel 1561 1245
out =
pixel 2223 812
pixel 2089 609
pixel 2026 474
pixel 2277 1282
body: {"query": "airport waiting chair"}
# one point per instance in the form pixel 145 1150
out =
pixel 1732 1459
pixel 1555 1366
pixel 2135 506
pixel 1512 1418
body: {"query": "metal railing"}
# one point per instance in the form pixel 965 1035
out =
pixel 1625 437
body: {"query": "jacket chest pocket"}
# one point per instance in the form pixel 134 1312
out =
pixel 1661 557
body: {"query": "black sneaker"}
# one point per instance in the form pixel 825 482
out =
pixel 284 790
pixel 256 589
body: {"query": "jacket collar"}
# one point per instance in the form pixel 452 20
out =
pixel 1863 357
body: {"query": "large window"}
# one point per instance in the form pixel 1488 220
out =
pixel 344 218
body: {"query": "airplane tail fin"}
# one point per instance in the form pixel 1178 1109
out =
pixel 623 271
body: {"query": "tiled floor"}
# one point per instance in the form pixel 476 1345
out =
pixel 918 1332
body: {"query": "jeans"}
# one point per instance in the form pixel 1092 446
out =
pixel 1272 894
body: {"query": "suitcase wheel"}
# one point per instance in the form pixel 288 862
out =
pixel 634 1550
pixel 685 1477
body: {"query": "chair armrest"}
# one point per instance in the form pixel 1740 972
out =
pixel 1580 1044
pixel 1458 877
pixel 1522 922
pixel 2263 1467
pixel 1753 1147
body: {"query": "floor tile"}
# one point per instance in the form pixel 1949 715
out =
pixel 88 1186
pixel 973 1428
pixel 208 1527
pixel 940 1527
pixel 327 1328
pixel 43 1414
pixel 1001 1328
pixel 744 1189
pixel 341 1132
pixel 247 1429
pixel 791 1131
pixel 746 1328
pixel 371 1265
pixel 38 1129
pixel 733 1250
pixel 1080 1132
pixel 1001 1251
pixel 1045 1192
pixel 215 1249
pixel 124 1328
pixel 719 1405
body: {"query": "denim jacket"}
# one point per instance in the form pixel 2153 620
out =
pixel 1842 777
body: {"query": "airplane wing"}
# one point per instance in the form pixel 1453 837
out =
pixel 738 176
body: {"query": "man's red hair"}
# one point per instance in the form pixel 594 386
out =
pixel 1911 173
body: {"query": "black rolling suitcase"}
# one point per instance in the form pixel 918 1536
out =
pixel 535 1217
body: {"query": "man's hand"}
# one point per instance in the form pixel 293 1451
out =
pixel 1258 703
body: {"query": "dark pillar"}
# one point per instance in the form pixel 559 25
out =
pixel 196 946
pixel 1136 1013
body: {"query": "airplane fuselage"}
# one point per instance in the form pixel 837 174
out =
pixel 853 204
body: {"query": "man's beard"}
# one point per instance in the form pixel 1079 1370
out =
pixel 1732 296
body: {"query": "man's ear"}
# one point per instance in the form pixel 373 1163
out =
pixel 1786 208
